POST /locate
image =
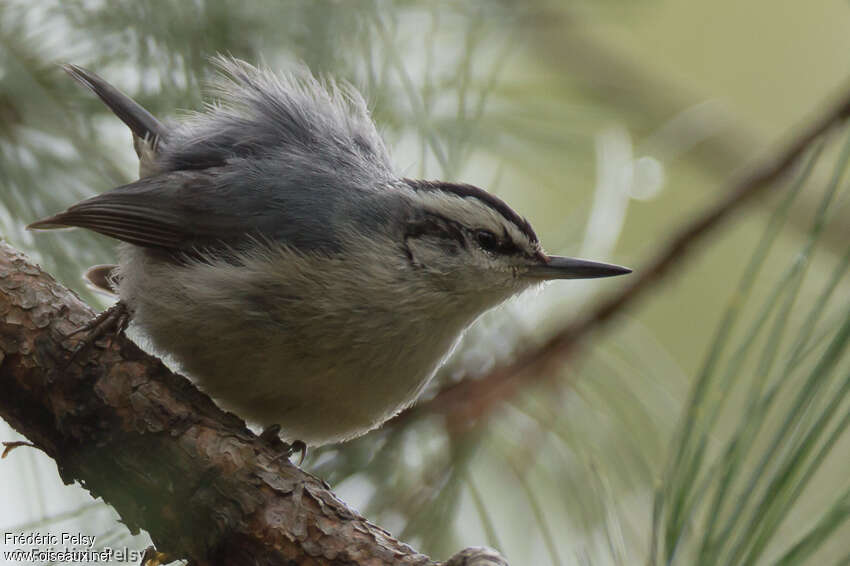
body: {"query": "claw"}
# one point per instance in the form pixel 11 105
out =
pixel 271 438
pixel 298 446
pixel 113 321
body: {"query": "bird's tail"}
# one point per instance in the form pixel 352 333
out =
pixel 143 124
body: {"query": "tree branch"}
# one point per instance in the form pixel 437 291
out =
pixel 161 453
pixel 471 399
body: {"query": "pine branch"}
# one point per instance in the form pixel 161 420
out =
pixel 161 453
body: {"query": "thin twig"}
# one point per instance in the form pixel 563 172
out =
pixel 473 398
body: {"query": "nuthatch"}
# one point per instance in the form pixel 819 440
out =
pixel 270 249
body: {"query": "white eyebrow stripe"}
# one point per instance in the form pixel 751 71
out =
pixel 467 191
pixel 474 214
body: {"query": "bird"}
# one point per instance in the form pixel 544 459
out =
pixel 271 251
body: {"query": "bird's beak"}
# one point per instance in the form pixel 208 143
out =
pixel 558 267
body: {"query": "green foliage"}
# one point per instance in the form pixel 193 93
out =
pixel 726 505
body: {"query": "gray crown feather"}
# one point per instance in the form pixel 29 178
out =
pixel 282 117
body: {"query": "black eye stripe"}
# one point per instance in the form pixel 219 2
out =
pixel 437 226
pixel 488 240
pixel 469 191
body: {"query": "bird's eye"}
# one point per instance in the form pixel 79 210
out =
pixel 487 240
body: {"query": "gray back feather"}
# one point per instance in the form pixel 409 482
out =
pixel 294 151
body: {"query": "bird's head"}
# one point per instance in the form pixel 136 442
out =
pixel 466 241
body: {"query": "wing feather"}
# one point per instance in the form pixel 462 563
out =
pixel 155 211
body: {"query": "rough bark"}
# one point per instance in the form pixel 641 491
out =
pixel 160 452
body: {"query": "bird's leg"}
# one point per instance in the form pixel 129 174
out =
pixel 113 321
pixel 271 438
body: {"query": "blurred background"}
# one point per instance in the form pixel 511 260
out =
pixel 705 425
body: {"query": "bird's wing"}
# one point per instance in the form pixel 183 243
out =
pixel 178 210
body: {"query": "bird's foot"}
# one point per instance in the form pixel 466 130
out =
pixel 111 322
pixel 271 438
pixel 152 557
